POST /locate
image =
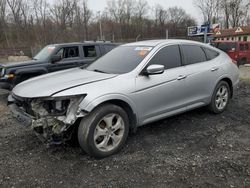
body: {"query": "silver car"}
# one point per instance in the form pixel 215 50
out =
pixel 133 85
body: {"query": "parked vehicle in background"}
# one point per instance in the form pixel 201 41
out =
pixel 133 85
pixel 238 51
pixel 52 58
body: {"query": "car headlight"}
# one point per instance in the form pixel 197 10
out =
pixel 56 106
pixel 2 72
pixel 9 76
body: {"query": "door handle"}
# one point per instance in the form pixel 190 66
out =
pixel 181 77
pixel 214 69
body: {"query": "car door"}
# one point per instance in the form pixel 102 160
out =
pixel 202 73
pixel 160 95
pixel 70 58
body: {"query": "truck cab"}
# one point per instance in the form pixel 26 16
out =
pixel 237 50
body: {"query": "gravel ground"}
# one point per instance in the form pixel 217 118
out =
pixel 245 72
pixel 195 149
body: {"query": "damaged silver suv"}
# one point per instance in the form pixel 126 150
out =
pixel 131 86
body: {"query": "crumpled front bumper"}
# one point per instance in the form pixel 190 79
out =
pixel 48 129
pixel 22 117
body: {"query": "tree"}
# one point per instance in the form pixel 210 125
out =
pixel 209 9
pixel 3 24
pixel 179 21
pixel 238 11
pixel 161 16
pixel 41 13
pixel 87 13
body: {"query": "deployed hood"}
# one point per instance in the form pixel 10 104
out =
pixel 48 85
pixel 20 63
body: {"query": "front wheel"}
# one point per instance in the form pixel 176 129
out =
pixel 104 131
pixel 220 98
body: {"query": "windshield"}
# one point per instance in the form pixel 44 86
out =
pixel 121 60
pixel 44 54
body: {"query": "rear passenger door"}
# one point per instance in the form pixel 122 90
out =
pixel 90 54
pixel 202 70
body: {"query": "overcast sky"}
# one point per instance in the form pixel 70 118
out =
pixel 98 5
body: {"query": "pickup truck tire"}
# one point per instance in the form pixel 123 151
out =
pixel 241 62
pixel 104 131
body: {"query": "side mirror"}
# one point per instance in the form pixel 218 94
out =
pixel 56 58
pixel 154 69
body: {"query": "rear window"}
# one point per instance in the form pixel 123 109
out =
pixel 211 54
pixel 244 47
pixel 193 54
pixel 89 51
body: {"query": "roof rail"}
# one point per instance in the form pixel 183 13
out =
pixel 100 41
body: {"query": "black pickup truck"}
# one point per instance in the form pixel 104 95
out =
pixel 52 58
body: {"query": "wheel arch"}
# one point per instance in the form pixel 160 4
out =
pixel 230 83
pixel 122 102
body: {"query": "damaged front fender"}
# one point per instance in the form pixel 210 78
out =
pixel 50 118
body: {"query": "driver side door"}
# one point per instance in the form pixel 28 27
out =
pixel 70 56
pixel 158 96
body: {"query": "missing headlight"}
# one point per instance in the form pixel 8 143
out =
pixel 57 107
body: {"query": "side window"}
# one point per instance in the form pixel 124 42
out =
pixel 89 51
pixel 168 56
pixel 242 47
pixel 211 54
pixel 69 52
pixel 246 47
pixel 193 54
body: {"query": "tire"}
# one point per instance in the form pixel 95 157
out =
pixel 220 98
pixel 241 62
pixel 98 131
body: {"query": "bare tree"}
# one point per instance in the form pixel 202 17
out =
pixel 15 7
pixel 3 20
pixel 40 22
pixel 161 16
pixel 238 11
pixel 141 10
pixel 87 13
pixel 41 13
pixel 209 9
pixel 179 21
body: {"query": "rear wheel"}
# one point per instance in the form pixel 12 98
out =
pixel 220 98
pixel 104 131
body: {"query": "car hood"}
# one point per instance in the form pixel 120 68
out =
pixel 19 64
pixel 50 84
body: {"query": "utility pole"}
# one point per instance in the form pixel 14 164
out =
pixel 100 25
pixel 205 35
pixel 166 33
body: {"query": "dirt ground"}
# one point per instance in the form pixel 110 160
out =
pixel 245 72
pixel 195 149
